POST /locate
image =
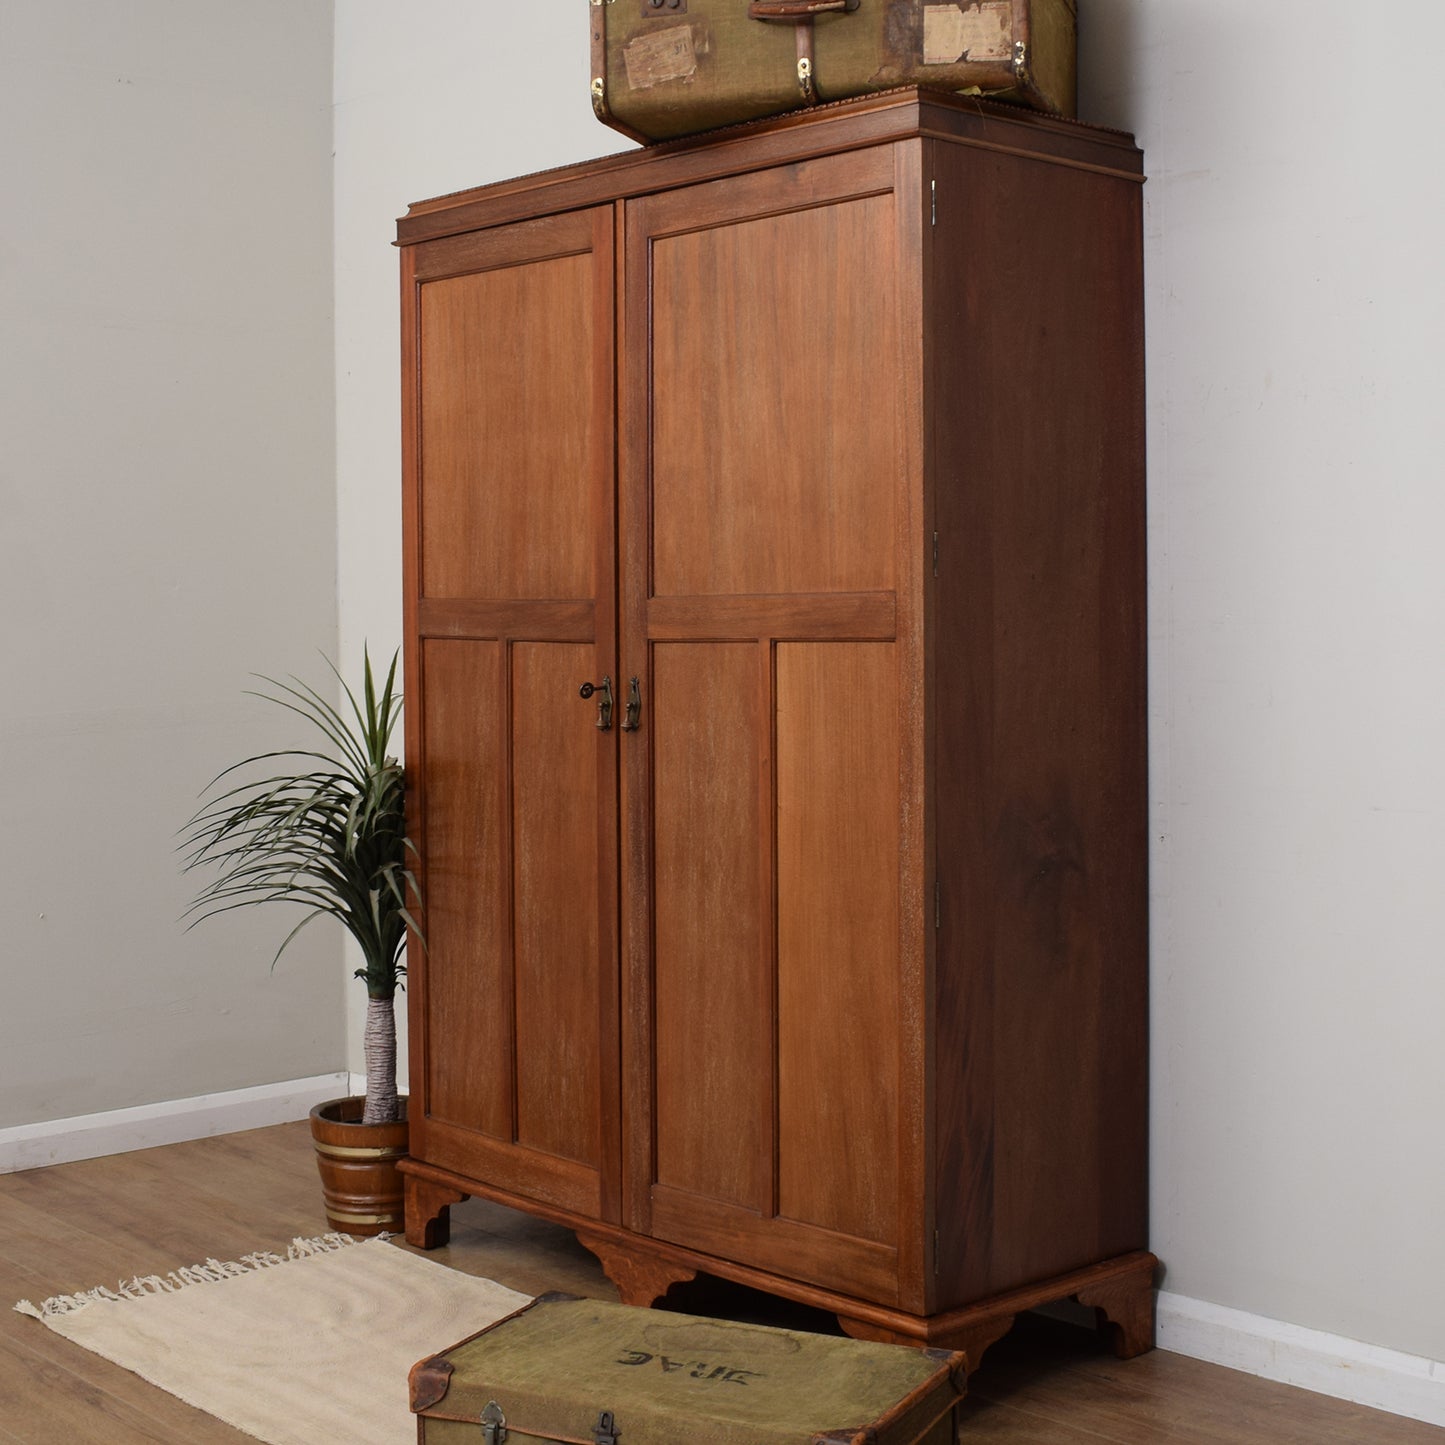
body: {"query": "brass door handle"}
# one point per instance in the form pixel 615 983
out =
pixel 632 718
pixel 604 702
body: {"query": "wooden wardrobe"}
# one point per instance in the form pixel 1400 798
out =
pixel 775 636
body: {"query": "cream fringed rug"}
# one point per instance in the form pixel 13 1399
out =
pixel 303 1349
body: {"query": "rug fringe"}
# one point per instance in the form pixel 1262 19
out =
pixel 213 1271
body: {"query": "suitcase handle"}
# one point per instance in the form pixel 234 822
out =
pixel 796 10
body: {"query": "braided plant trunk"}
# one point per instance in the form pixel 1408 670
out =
pixel 379 1042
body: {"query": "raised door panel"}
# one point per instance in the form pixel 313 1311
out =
pixel 838 829
pixel 467 984
pixel 511 998
pixel 712 1008
pixel 510 538
pixel 556 875
pixel 768 482
pixel 507 431
pixel 775 429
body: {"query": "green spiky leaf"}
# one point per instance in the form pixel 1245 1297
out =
pixel 327 834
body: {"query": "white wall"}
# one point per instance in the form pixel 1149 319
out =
pixel 168 517
pixel 1295 225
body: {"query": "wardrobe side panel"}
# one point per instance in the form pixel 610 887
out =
pixel 1038 423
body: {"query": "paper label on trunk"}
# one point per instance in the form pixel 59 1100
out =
pixel 952 33
pixel 659 56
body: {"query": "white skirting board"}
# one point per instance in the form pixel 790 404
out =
pixel 1312 1360
pixel 88 1136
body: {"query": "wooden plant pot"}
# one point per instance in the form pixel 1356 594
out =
pixel 359 1179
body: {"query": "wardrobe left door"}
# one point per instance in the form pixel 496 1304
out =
pixel 510 582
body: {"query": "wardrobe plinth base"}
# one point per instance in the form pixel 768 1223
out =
pixel 1120 1291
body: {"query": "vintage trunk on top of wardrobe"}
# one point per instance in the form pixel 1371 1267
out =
pixel 666 68
pixel 818 959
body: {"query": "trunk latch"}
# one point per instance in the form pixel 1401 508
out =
pixel 604 1432
pixel 494 1424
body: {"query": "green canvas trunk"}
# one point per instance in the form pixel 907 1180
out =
pixel 665 68
pixel 581 1372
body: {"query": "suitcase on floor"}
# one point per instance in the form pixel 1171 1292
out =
pixel 666 68
pixel 589 1372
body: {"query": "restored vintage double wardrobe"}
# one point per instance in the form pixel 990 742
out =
pixel 774 551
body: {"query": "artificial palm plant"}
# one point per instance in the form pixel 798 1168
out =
pixel 328 833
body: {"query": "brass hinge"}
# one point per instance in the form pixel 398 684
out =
pixel 933 203
pixel 937 905
pixel 935 554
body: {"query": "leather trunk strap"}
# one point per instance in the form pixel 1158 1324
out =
pixel 807 82
pixel 796 9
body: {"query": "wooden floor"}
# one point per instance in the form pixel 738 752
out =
pixel 74 1226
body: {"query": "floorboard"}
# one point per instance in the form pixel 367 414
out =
pixel 98 1221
